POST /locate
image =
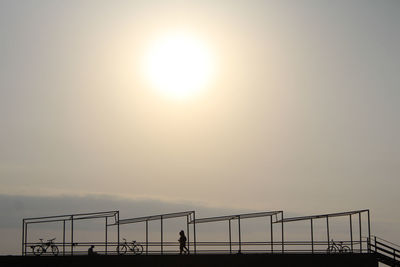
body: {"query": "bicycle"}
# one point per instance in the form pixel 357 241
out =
pixel 134 246
pixel 42 247
pixel 340 248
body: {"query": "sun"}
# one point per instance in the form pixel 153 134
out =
pixel 179 65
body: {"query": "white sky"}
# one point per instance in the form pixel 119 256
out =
pixel 303 115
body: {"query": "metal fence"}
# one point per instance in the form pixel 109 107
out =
pixel 274 222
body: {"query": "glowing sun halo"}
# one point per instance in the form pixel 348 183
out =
pixel 179 66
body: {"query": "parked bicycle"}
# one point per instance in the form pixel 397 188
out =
pixel 133 246
pixel 43 247
pixel 338 248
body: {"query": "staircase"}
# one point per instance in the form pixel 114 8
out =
pixel 385 251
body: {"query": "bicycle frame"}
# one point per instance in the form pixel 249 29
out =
pixel 41 248
pixel 133 246
pixel 46 245
pixel 338 247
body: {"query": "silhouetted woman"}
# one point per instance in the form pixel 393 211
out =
pixel 182 243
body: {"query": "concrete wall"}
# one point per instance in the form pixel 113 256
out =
pixel 278 260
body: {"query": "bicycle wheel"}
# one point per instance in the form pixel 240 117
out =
pixel 346 249
pixel 54 250
pixel 121 249
pixel 37 250
pixel 137 249
pixel 331 249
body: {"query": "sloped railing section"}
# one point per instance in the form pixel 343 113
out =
pixel 386 252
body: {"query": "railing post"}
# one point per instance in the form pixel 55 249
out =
pixel 376 250
pixel 359 219
pixel 283 236
pixel 351 233
pixel 64 238
pixel 369 226
pixel 26 235
pixel 230 237
pixel 118 229
pixel 147 237
pixel 162 238
pixel 188 233
pixel 106 237
pixel 240 236
pixel 327 230
pixel 312 237
pixel 23 237
pixel 272 236
pixel 194 232
pixel 72 235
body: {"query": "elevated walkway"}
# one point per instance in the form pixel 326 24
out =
pixel 233 260
pixel 324 246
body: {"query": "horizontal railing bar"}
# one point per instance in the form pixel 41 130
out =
pixel 393 244
pixel 382 244
pixel 321 216
pixel 197 243
pixel 69 215
pixel 389 252
pixel 159 252
pixel 213 247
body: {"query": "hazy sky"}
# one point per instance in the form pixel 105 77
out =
pixel 302 115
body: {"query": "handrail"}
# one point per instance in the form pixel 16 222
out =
pixel 384 250
pixel 388 252
pixel 218 247
pixel 393 244
pixel 386 246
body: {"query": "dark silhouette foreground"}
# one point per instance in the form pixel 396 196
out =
pixel 182 243
pixel 91 252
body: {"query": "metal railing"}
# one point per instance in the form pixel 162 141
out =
pixel 386 251
pixel 274 224
pixel 208 247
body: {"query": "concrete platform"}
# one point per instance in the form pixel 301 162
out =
pixel 278 260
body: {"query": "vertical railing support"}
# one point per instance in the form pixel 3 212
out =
pixel 283 240
pixel 194 232
pixel 272 235
pixel 240 235
pixel 351 233
pixel 230 237
pixel 26 235
pixel 312 237
pixel 359 222
pixel 327 230
pixel 369 226
pixel 118 229
pixel 23 238
pixel 72 235
pixel 147 237
pixel 188 233
pixel 162 236
pixel 64 238
pixel 106 237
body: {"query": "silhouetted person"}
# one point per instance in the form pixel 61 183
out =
pixel 91 252
pixel 182 243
